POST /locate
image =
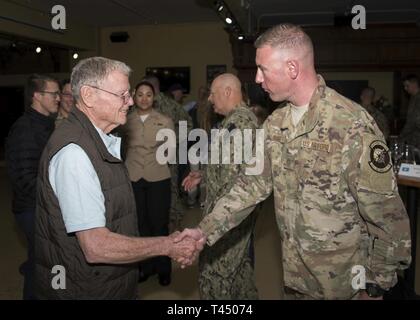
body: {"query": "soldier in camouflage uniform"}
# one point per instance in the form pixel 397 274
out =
pixel 411 131
pixel 336 198
pixel 225 269
pixel 367 98
pixel 170 108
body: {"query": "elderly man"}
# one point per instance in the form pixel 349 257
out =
pixel 337 205
pixel 24 145
pixel 86 215
pixel 226 270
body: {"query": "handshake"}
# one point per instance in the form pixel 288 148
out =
pixel 186 245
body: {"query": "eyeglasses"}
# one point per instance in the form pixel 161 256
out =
pixel 55 93
pixel 125 96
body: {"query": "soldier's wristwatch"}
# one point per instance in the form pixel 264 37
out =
pixel 374 291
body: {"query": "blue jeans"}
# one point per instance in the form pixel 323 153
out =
pixel 26 222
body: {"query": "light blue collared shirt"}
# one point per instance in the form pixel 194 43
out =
pixel 77 187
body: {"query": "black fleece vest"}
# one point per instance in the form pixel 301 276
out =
pixel 53 246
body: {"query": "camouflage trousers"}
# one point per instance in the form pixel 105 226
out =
pixel 225 269
pixel 177 210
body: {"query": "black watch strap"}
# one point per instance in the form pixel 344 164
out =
pixel 374 291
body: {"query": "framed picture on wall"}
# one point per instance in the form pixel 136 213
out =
pixel 171 75
pixel 213 70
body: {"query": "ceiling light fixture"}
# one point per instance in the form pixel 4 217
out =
pixel 232 26
pixel 219 5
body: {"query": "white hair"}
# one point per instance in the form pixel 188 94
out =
pixel 92 71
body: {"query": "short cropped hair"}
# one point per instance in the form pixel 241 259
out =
pixel 285 36
pixel 93 71
pixel 37 82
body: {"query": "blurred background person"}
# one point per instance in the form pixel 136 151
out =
pixel 151 181
pixel 24 145
pixel 176 92
pixel 66 102
pixel 411 131
pixel 170 108
pixel 367 101
pixel 260 112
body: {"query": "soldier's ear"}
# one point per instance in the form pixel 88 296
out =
pixel 228 91
pixel 292 68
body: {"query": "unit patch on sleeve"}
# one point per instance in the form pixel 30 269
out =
pixel 380 160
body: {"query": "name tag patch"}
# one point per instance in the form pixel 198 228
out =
pixel 315 145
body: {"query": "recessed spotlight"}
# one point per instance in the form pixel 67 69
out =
pixel 220 8
pixel 228 20
pixel 75 55
pixel 240 37
pixel 38 49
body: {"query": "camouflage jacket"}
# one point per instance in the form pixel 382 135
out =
pixel 411 131
pixel 221 177
pixel 336 199
pixel 380 119
pixel 172 109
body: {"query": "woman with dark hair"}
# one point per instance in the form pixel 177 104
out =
pixel 151 180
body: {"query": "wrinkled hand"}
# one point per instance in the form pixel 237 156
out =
pixel 184 250
pixel 192 180
pixel 195 235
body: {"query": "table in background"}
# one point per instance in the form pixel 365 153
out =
pixel 407 288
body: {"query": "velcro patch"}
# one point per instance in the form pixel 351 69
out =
pixel 380 158
pixel 315 145
pixel 375 165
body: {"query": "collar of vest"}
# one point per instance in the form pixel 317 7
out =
pixel 78 116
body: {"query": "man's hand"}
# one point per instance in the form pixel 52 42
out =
pixel 195 235
pixel 184 250
pixel 192 180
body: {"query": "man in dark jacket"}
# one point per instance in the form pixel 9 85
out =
pixel 24 145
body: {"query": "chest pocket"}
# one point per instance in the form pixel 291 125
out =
pixel 321 176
